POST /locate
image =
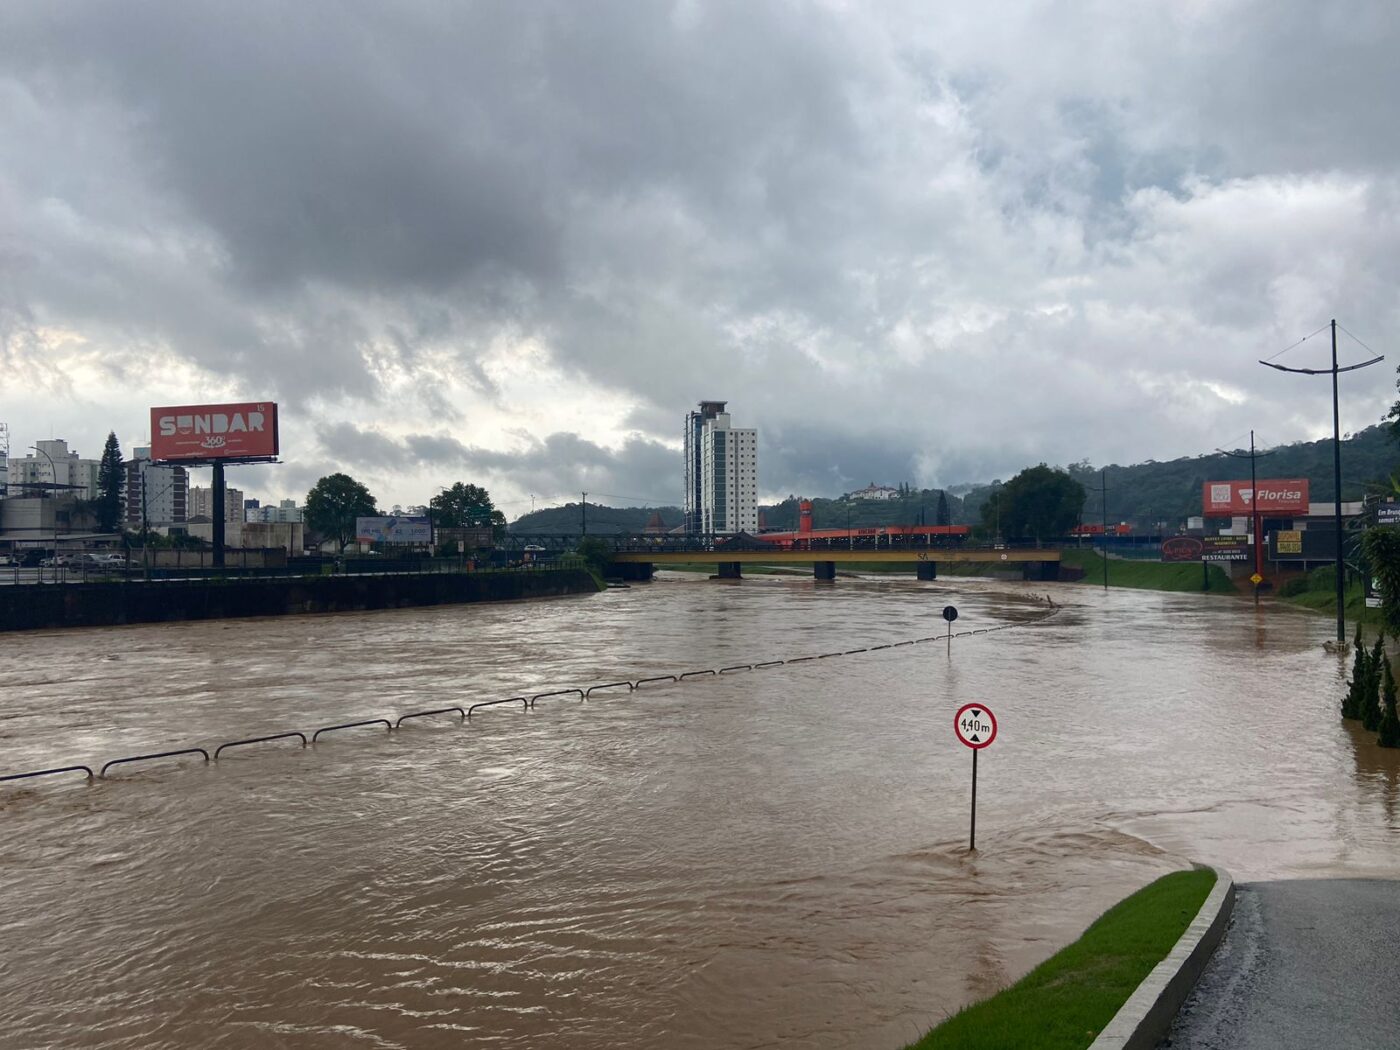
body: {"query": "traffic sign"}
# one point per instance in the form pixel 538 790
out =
pixel 950 613
pixel 975 725
pixel 1256 579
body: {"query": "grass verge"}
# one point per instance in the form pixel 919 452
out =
pixel 1149 575
pixel 1067 1000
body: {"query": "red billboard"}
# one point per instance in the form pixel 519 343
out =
pixel 194 432
pixel 1226 499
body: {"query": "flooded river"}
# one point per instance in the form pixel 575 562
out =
pixel 774 858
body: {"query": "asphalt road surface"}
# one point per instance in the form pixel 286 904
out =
pixel 1307 964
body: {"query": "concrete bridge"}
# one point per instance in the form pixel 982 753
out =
pixel 1035 563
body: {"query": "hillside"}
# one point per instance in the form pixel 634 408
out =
pixel 1141 493
pixel 602 520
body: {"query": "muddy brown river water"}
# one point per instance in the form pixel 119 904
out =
pixel 768 859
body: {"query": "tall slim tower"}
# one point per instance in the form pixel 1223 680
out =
pixel 694 474
pixel 721 472
pixel 4 460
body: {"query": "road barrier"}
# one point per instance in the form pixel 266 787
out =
pixel 158 754
pixel 558 692
pixel 352 725
pixel 526 703
pixel 48 773
pixel 258 740
pixel 523 701
pixel 608 685
pixel 425 714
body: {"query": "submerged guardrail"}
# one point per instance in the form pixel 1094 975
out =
pixel 527 704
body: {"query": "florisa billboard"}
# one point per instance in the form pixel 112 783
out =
pixel 1274 496
pixel 247 430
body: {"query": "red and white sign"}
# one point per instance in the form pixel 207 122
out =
pixel 194 432
pixel 1274 496
pixel 975 725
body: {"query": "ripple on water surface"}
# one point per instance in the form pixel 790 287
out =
pixel 766 858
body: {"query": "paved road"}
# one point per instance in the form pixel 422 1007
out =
pixel 1312 965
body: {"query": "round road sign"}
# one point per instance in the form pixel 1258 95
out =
pixel 950 613
pixel 975 725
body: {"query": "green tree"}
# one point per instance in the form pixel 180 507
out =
pixel 110 477
pixel 1039 503
pixel 942 515
pixel 1351 703
pixel 1390 722
pixel 334 503
pixel 464 506
pixel 1371 698
pixel 1381 545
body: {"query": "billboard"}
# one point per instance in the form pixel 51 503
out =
pixel 1182 548
pixel 393 530
pixel 1206 548
pixel 1226 499
pixel 1225 548
pixel 247 430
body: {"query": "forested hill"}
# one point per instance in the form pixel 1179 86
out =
pixel 1142 493
pixel 565 520
pixel 1171 491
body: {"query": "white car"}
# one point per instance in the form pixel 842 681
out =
pixel 6 560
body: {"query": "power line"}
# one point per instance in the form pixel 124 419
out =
pixel 1299 343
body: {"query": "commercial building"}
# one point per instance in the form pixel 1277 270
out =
pixel 156 495
pixel 53 469
pixel 201 504
pixel 721 472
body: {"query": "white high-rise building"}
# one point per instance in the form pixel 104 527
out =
pixel 52 470
pixel 721 472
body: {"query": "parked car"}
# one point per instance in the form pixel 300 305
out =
pixel 28 559
pixel 6 560
pixel 57 561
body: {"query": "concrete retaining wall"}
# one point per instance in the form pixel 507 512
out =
pixel 37 606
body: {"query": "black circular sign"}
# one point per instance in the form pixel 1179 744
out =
pixel 950 613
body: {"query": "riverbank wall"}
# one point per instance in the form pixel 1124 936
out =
pixel 108 603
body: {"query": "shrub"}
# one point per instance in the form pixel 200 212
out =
pixel 1390 722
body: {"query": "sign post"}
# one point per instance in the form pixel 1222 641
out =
pixel 950 613
pixel 975 726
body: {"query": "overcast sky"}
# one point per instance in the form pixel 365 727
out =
pixel 514 242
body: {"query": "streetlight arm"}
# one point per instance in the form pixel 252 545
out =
pixel 1323 371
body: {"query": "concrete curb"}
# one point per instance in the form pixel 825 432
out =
pixel 1149 1011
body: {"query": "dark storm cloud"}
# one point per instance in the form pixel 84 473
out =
pixel 907 243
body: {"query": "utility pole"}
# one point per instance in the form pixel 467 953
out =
pixel 1336 461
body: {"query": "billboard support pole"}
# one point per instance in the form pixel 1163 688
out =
pixel 216 512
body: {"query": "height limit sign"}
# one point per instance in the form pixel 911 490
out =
pixel 976 727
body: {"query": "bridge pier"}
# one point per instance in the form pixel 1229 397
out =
pixel 928 570
pixel 728 570
pixel 824 570
pixel 635 570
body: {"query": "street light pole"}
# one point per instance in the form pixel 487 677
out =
pixel 1103 498
pixel 1336 463
pixel 53 489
